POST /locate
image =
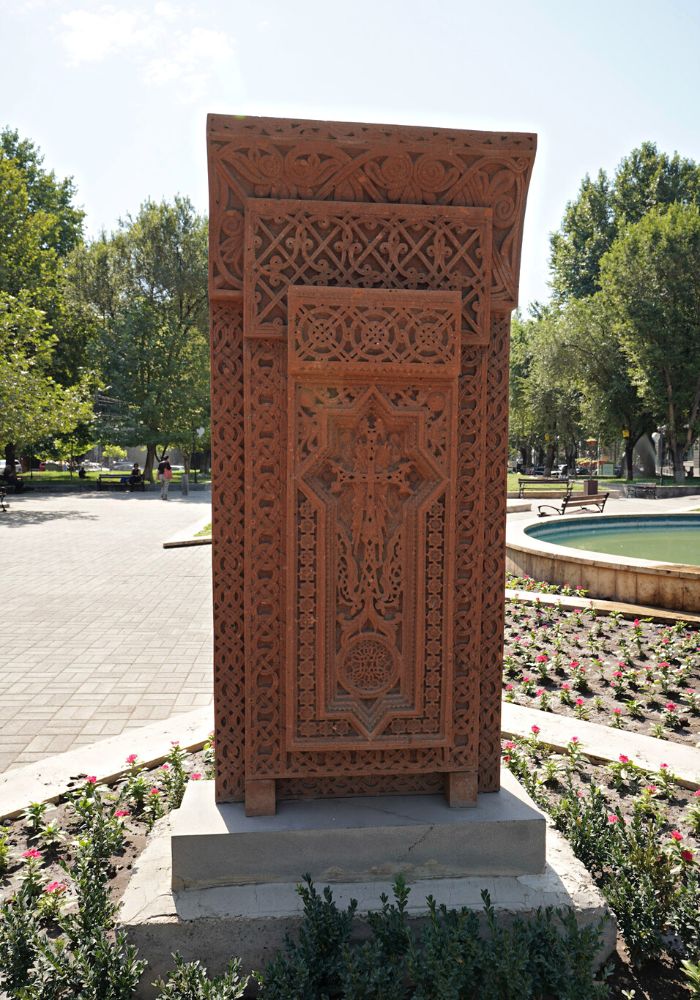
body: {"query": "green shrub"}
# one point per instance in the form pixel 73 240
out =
pixel 189 981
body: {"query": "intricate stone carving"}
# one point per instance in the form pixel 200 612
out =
pixel 373 361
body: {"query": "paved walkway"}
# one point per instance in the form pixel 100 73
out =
pixel 102 629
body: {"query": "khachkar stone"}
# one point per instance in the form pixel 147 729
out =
pixel 361 283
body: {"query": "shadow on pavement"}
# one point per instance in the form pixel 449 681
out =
pixel 18 518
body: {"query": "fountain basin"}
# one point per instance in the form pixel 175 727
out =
pixel 563 551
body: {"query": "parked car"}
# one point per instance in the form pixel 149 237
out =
pixel 122 466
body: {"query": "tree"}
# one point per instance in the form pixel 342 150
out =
pixel 34 405
pixel 651 286
pixel 146 289
pixel 645 179
pixel 610 401
pixel 44 376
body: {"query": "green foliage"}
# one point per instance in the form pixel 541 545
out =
pixel 189 981
pixel 644 180
pixel 651 282
pixel 4 850
pixel 145 290
pixel 448 958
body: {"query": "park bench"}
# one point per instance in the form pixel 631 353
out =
pixel 576 503
pixel 120 480
pixel 643 491
pixel 538 486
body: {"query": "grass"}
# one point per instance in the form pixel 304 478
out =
pixel 204 532
pixel 605 482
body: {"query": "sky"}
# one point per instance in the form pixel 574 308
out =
pixel 116 94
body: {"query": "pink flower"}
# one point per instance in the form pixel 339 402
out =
pixel 154 791
pixel 622 758
pixel 120 813
pixel 574 663
pixel 612 818
pixel 542 658
pixel 539 692
pixel 132 758
pixel 687 855
pixel 509 745
pixel 509 687
pixel 196 776
pixel 32 853
pixel 526 680
pixel 55 888
pixel 636 621
pixel 663 767
pixel 617 673
pixel 676 835
pixel 579 701
pixel 671 706
pixel 574 739
pixel 651 789
pixel 165 767
pixel 696 793
pixel 663 664
pixel 91 779
pixel 617 711
pixel 174 743
pixel 565 686
pixel 534 729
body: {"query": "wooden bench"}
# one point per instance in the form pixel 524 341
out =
pixel 576 503
pixel 120 480
pixel 643 491
pixel 541 487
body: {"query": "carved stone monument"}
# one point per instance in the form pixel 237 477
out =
pixel 361 283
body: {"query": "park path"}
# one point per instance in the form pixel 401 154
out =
pixel 102 629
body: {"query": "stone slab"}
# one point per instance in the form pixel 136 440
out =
pixel 106 759
pixel 251 921
pixel 603 743
pixel 189 536
pixel 355 839
pixel 604 607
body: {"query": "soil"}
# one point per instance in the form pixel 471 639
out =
pixel 634 675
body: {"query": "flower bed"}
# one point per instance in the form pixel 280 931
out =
pixel 633 675
pixel 638 833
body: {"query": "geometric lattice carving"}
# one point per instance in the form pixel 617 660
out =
pixel 371 493
pixel 361 279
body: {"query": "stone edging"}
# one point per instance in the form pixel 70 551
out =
pixel 48 780
pixel 188 536
pixel 660 615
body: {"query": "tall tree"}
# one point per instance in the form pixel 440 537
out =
pixel 651 285
pixel 592 222
pixel 146 289
pixel 40 226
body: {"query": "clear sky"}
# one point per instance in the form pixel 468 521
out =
pixel 116 94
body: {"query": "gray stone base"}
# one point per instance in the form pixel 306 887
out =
pixel 251 920
pixel 355 839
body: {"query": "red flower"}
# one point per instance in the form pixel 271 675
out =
pixel 509 687
pixel 535 729
pixel 573 663
pixel 579 701
pixel 509 745
pixel 612 818
pixel 696 793
pixel 542 658
pixel 132 758
pixel 120 813
pixel 617 711
pixel 622 758
pixel 574 739
pixel 676 835
pixel 671 706
pixel 663 767
pixel 154 791
pixel 55 888
pixel 91 779
pixel 196 776
pixel 32 853
pixel 687 855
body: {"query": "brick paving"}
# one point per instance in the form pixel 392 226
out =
pixel 102 629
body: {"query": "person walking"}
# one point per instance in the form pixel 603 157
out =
pixel 165 474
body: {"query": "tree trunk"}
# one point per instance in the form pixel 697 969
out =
pixel 629 452
pixel 549 460
pixel 9 461
pixel 148 465
pixel 677 452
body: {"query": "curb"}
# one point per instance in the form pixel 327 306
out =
pixel 53 777
pixel 660 615
pixel 187 536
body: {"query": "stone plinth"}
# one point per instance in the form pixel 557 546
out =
pixel 251 920
pixel 355 839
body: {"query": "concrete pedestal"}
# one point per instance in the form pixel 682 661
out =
pixel 228 910
pixel 355 839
